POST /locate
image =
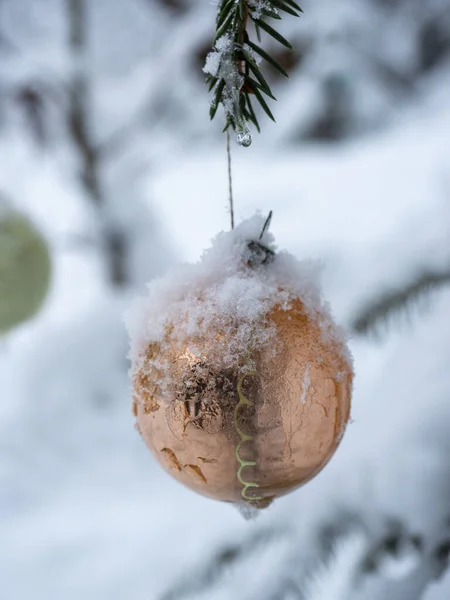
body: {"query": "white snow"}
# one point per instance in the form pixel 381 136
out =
pixel 221 63
pixel 221 292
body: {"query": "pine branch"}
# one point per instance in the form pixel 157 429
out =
pixel 78 126
pixel 235 57
pixel 398 301
pixel 210 571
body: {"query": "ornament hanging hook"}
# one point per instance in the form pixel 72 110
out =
pixel 266 225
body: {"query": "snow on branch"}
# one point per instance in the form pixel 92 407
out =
pixel 232 68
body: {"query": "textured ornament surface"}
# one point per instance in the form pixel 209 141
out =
pixel 25 270
pixel 252 432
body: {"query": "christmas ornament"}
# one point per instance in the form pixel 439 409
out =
pixel 241 380
pixel 25 269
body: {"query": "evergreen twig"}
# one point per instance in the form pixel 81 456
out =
pixel 395 302
pixel 235 57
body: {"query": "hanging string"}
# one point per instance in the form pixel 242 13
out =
pixel 230 193
pixel 230 181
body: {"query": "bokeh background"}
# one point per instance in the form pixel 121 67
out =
pixel 106 144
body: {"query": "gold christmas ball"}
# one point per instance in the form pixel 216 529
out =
pixel 246 435
pixel 25 269
pixel 245 396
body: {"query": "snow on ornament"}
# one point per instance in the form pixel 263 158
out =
pixel 25 269
pixel 241 379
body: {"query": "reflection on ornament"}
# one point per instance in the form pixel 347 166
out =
pixel 25 269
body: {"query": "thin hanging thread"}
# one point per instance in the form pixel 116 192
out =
pixel 230 181
pixel 230 193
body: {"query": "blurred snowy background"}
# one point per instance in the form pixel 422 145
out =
pixel 106 143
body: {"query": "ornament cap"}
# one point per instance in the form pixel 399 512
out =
pixel 259 254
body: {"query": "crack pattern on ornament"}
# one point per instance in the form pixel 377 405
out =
pixel 245 437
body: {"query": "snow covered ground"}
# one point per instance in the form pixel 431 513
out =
pixel 85 512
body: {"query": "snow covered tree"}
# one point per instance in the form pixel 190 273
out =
pixel 106 142
pixel 60 104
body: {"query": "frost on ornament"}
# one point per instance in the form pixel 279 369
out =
pixel 25 269
pixel 241 380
